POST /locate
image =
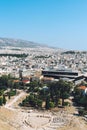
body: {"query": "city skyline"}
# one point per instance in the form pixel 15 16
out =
pixel 57 23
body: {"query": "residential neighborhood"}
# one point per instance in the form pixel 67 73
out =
pixel 41 80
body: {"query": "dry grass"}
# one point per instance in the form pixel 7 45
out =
pixel 18 119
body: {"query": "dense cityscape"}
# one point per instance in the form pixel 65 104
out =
pixel 43 65
pixel 45 86
pixel 37 59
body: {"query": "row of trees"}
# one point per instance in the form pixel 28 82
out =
pixel 6 81
pixel 60 89
pixel 50 94
pixel 16 55
pixel 32 100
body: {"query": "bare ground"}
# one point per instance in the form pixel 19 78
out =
pixel 13 117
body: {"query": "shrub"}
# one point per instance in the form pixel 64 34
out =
pixel 51 104
pixel 66 104
pixel 12 92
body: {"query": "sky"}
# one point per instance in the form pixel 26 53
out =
pixel 57 23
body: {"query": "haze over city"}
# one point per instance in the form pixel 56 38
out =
pixel 57 23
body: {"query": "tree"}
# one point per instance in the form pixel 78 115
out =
pixel 60 89
pixel 47 103
pixel 78 94
pixel 1 92
pixel 85 101
pixel 43 93
pixel 65 89
pixel 51 104
pixel 4 80
pixel 33 85
pixel 16 85
pixel 4 100
pixel 9 95
pixel 54 92
pixel 39 103
pixel 10 83
pixel 1 101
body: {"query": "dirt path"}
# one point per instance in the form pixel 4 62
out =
pixel 10 105
pixel 12 118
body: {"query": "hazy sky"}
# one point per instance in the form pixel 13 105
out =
pixel 58 23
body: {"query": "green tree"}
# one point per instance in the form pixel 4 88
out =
pixel 39 103
pixel 47 103
pixel 4 80
pixel 1 101
pixel 33 85
pixel 54 92
pixel 65 89
pixel 60 89
pixel 1 92
pixel 4 100
pixel 44 92
pixel 51 104
pixel 78 94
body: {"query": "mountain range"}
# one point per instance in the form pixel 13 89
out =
pixel 19 43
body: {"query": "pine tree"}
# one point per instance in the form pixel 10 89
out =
pixel 4 100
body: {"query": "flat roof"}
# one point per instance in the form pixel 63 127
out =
pixel 53 70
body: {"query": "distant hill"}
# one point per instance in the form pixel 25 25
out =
pixel 18 43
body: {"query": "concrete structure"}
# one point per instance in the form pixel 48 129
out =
pixel 57 74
